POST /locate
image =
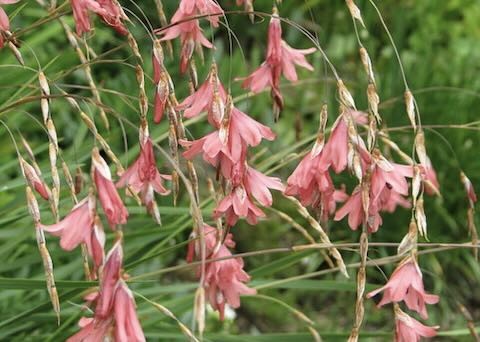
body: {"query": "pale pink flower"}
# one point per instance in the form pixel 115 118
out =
pixel 408 329
pixel 429 177
pixel 109 198
pixel 280 59
pixel 247 184
pixel 76 227
pixel 113 15
pixel 210 8
pixel 115 315
pixel 224 279
pixel 127 325
pixel 95 243
pixel 111 275
pixel 109 10
pixel 353 207
pixel 335 152
pixel 143 176
pixel 406 284
pixel 204 99
pixel 190 35
pixel 4 22
pixel 469 189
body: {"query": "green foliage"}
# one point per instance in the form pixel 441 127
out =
pixel 439 48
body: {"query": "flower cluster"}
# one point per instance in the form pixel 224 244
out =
pixel 224 279
pixel 226 149
pixel 109 11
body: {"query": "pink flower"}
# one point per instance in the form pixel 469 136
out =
pixel 408 329
pixel 109 281
pixel 115 313
pixel 467 184
pixel 76 227
pixel 127 325
pixel 429 177
pixel 109 10
pixel 109 198
pixel 143 176
pixel 202 7
pixel 248 184
pixel 113 15
pixel 225 279
pixel 190 35
pixel 335 152
pixel 406 284
pixel 280 59
pixel 209 96
pixel 4 22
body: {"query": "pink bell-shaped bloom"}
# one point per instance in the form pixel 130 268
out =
pixel 224 279
pixel 257 185
pixel 280 59
pixel 143 176
pixel 109 10
pixel 115 315
pixel 34 180
pixel 406 284
pixel 76 227
pixel 113 15
pixel 95 243
pixel 408 329
pixel 127 325
pixel 238 204
pixel 109 198
pixel 353 207
pixel 429 177
pixel 335 152
pixel 209 96
pixel 4 22
pixel 190 34
pixel 209 8
pixel 109 280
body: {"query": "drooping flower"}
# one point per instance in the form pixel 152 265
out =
pixel 408 329
pixel 224 279
pixel 209 8
pixel 143 176
pixel 280 59
pixel 109 10
pixel 110 200
pixel 77 226
pixel 406 284
pixel 247 184
pixel 469 189
pixel 115 315
pixel 4 22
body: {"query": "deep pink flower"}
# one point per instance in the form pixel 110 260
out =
pixel 4 22
pixel 109 198
pixel 143 176
pixel 408 329
pixel 76 227
pixel 225 279
pixel 406 284
pixel 280 59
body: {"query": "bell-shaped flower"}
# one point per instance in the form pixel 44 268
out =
pixel 406 284
pixel 209 8
pixel 110 200
pixel 408 329
pixel 109 10
pixel 113 15
pixel 76 227
pixel 143 176
pixel 127 325
pixel 34 180
pixel 224 279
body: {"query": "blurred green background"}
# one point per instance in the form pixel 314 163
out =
pixel 438 45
